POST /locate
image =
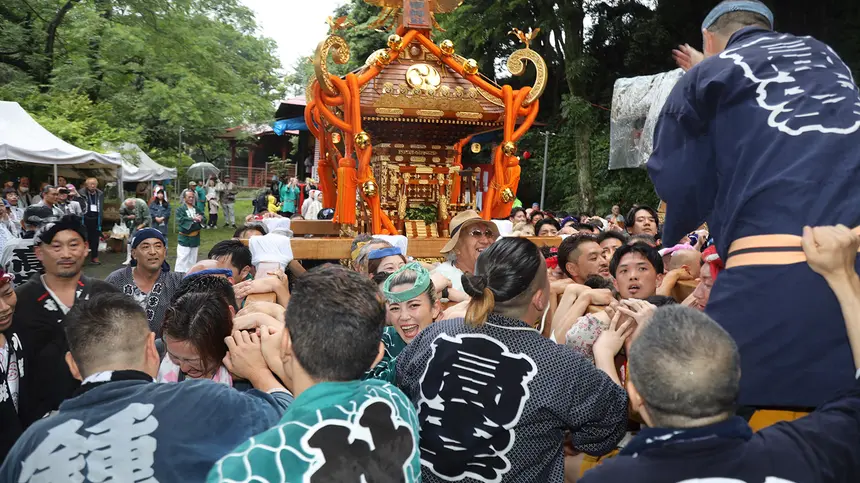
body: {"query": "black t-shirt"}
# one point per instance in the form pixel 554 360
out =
pixel 39 317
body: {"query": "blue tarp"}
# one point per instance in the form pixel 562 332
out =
pixel 294 124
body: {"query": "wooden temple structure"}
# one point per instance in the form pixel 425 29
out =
pixel 391 133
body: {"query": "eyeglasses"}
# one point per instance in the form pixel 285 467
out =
pixel 179 360
pixel 478 233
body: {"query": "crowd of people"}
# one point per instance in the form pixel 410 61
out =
pixel 572 357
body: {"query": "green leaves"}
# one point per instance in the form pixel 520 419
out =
pixel 137 70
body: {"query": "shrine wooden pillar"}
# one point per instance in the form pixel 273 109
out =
pixel 251 164
pixel 232 159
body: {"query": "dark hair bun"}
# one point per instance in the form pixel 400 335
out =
pixel 474 285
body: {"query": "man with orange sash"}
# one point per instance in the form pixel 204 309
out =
pixel 759 139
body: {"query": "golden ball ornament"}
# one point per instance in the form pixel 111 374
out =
pixel 507 195
pixel 509 148
pixel 470 66
pixel 362 140
pixel 394 41
pixel 369 188
pixel 447 47
pixel 384 58
pixel 335 138
pixel 476 148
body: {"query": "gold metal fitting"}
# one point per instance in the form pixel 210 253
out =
pixel 369 188
pixel 394 41
pixel 447 47
pixel 335 138
pixel 383 58
pixel 476 148
pixel 470 66
pixel 507 195
pixel 362 140
pixel 509 148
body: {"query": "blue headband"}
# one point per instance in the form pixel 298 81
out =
pixel 737 6
pixel 384 252
pixel 211 271
pixel 144 234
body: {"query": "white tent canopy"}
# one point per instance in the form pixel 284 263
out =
pixel 25 140
pixel 137 166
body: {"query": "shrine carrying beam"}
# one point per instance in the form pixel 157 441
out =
pixel 340 248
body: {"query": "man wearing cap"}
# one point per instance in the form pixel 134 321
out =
pixel 189 222
pixel 148 280
pixel 44 301
pixel 470 235
pixel 18 256
pixel 94 200
pixel 759 139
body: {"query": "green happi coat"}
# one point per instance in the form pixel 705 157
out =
pixel 334 431
pixel 189 230
pixel 386 369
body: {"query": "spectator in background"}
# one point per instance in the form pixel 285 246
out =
pixel 51 198
pixel 312 206
pixel 200 191
pixel 615 217
pixel 25 198
pixel 227 196
pixel 18 255
pixel 212 199
pixel 142 191
pixel 289 197
pixel 189 223
pixel 66 200
pixel 93 209
pixel 534 217
pixel 134 213
pixel 148 280
pixel 16 212
pixel 159 210
pixel 470 236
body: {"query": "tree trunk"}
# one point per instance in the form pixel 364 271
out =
pixel 44 74
pixel 583 131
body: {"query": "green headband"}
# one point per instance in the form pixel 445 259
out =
pixel 422 281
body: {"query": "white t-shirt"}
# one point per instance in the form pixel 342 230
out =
pixel 452 273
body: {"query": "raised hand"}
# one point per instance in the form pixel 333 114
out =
pixel 831 251
pixel 687 57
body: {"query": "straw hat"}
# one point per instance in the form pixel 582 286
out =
pixel 461 222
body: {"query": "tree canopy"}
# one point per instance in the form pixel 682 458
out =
pixel 95 71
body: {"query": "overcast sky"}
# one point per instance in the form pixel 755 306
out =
pixel 296 25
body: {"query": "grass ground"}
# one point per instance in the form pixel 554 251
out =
pixel 208 238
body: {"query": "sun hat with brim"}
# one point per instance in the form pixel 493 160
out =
pixel 461 222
